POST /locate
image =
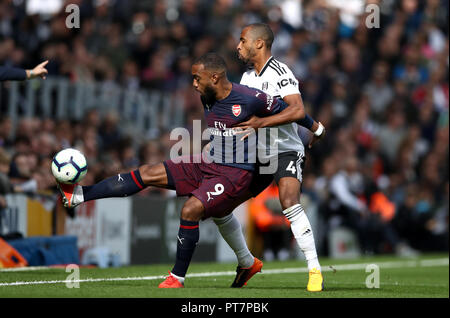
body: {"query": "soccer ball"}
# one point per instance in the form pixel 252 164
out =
pixel 69 166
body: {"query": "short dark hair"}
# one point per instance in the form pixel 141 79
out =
pixel 212 61
pixel 262 31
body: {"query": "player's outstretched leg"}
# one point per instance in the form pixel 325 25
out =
pixel 302 230
pixel 187 239
pixel 121 185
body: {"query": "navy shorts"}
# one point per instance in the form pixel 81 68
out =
pixel 220 188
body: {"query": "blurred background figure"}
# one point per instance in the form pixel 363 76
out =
pixel 272 233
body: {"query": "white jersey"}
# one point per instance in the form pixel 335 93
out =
pixel 277 80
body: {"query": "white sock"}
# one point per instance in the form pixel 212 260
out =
pixel 230 229
pixel 301 228
pixel 78 196
pixel 179 278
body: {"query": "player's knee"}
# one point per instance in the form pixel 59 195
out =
pixel 289 200
pixel 192 211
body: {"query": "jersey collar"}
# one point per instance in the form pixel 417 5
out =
pixel 265 66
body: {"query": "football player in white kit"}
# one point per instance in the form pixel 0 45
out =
pixel 276 79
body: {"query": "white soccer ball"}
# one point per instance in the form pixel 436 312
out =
pixel 69 166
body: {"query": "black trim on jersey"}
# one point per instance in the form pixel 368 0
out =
pixel 276 66
pixel 265 66
pixel 282 67
pixel 276 70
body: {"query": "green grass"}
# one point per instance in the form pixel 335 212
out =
pixel 406 280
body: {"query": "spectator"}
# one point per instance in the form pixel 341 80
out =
pixel 391 134
pixel 378 90
pixel 271 227
pixel 17 74
pixel 5 184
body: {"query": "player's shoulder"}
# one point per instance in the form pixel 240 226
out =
pixel 249 72
pixel 248 76
pixel 245 90
pixel 280 63
pixel 276 68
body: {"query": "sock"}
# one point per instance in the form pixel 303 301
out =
pixel 301 228
pixel 122 185
pixel 230 229
pixel 180 279
pixel 187 240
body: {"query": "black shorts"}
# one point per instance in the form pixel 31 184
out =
pixel 289 164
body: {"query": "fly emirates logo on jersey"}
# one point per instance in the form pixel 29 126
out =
pixel 220 129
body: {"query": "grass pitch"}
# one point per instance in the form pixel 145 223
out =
pixel 423 277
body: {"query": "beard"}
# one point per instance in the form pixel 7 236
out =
pixel 247 59
pixel 209 95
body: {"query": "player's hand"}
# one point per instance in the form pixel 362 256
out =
pixel 39 70
pixel 248 127
pixel 315 138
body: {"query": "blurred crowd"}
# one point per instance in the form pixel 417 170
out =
pixel 381 91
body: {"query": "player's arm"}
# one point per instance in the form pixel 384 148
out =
pixel 290 110
pixel 307 121
pixel 287 86
pixel 294 112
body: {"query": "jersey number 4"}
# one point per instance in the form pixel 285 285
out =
pixel 291 167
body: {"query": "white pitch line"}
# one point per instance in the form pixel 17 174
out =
pixel 27 268
pixel 342 267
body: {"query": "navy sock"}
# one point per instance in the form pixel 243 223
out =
pixel 187 239
pixel 121 185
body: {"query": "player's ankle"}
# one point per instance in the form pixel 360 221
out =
pixel 313 263
pixel 78 196
pixel 179 278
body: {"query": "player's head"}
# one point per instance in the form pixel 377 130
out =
pixel 255 38
pixel 207 72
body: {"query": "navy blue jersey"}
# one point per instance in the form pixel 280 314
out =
pixel 237 107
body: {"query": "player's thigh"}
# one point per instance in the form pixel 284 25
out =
pixel 184 176
pixel 290 164
pixel 289 177
pixel 220 196
pixel 154 175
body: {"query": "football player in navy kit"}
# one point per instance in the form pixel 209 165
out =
pixel 214 187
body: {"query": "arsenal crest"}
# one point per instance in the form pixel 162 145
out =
pixel 236 110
